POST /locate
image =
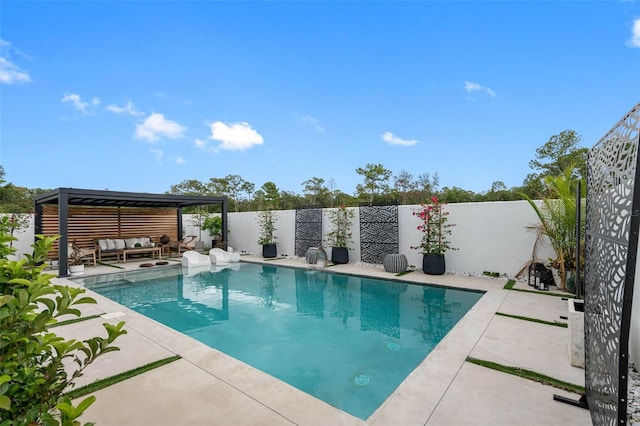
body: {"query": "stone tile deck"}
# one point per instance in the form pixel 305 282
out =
pixel 207 387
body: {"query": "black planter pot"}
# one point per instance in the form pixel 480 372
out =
pixel 339 255
pixel 433 264
pixel 269 250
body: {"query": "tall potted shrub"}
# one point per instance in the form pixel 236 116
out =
pixel 267 239
pixel 435 232
pixel 213 225
pixel 339 237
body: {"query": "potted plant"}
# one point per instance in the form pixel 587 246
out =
pixel 339 237
pixel 435 232
pixel 76 264
pixel 213 225
pixel 267 221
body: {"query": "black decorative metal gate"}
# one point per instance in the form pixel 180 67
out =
pixel 378 232
pixel 613 218
pixel 308 230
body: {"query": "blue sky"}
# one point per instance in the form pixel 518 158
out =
pixel 137 96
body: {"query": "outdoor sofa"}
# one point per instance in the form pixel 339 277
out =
pixel 121 247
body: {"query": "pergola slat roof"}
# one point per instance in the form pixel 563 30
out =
pixel 91 197
pixel 64 197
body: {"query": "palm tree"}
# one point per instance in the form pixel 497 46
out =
pixel 558 222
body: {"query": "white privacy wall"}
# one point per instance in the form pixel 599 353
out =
pixel 25 239
pixel 489 236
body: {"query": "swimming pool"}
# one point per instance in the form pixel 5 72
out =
pixel 347 340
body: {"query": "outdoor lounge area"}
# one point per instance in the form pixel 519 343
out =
pixel 117 224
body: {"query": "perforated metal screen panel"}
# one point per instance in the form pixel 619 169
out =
pixel 378 232
pixel 308 230
pixel 612 221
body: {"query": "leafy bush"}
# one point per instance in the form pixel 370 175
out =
pixel 267 222
pixel 33 377
pixel 434 227
pixel 340 219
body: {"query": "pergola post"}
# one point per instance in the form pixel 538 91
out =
pixel 63 229
pixel 224 224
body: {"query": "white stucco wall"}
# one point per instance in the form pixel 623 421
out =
pixel 25 239
pixel 489 236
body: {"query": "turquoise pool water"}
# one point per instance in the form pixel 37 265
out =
pixel 347 340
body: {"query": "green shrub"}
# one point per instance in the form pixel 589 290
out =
pixel 32 358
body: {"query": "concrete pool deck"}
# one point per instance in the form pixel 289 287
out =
pixel 207 387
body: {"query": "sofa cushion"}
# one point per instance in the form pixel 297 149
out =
pixel 131 242
pixel 119 243
pixel 102 244
pixel 111 244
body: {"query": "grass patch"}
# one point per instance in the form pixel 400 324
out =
pixel 274 258
pixel 399 274
pixel 530 375
pixel 509 285
pixel 491 274
pixel 101 384
pixel 74 320
pixel 556 323
pixel 546 293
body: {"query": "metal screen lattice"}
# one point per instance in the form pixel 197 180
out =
pixel 308 230
pixel 378 232
pixel 610 251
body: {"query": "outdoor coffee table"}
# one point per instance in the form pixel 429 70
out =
pixel 152 250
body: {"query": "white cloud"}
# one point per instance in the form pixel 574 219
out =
pixel 158 153
pixel 128 109
pixel 156 126
pixel 235 136
pixel 634 41
pixel 200 144
pixel 475 87
pixel 76 101
pixel 10 73
pixel 313 122
pixel 180 160
pixel 391 139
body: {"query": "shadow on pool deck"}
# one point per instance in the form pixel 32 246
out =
pixel 207 387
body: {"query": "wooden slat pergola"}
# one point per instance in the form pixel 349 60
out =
pixel 93 213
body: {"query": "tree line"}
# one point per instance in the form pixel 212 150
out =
pixel 378 185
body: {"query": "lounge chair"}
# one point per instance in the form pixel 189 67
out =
pixel 187 243
pixel 193 259
pixel 222 257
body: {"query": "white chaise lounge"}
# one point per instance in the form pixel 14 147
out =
pixel 222 257
pixel 193 259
